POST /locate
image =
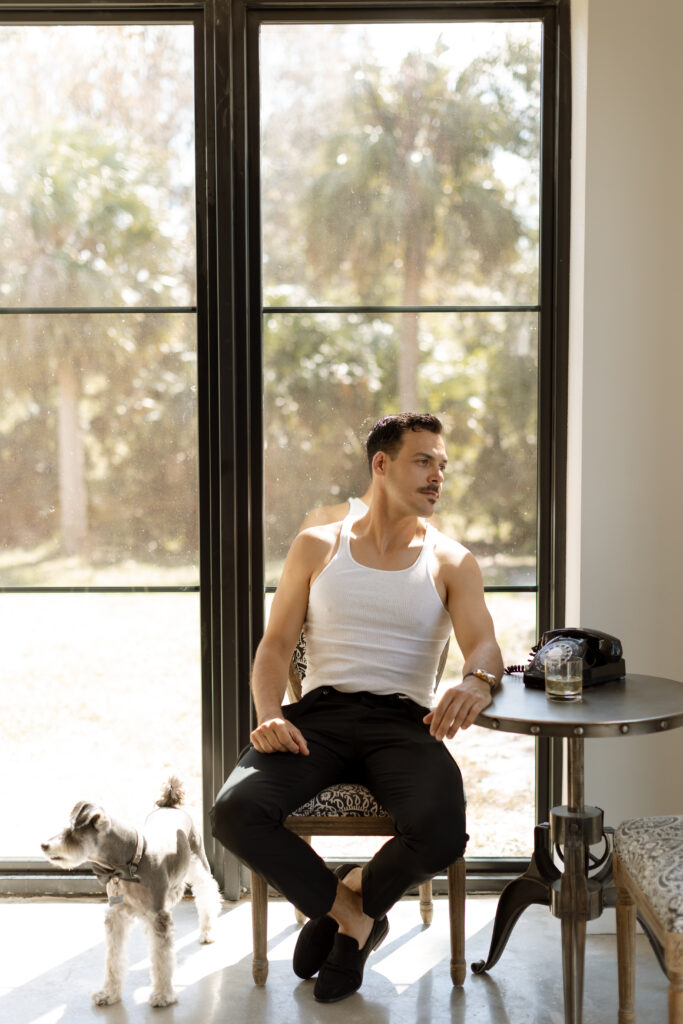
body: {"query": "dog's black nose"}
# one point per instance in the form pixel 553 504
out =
pixel 45 847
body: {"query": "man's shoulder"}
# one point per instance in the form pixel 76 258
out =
pixel 457 568
pixel 315 541
pixel 322 532
pixel 449 551
pixel 313 548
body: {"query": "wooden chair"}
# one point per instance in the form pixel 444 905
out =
pixel 648 875
pixel 349 809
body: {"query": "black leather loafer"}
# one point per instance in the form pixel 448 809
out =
pixel 316 938
pixel 342 973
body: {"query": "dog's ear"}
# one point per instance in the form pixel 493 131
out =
pixel 86 815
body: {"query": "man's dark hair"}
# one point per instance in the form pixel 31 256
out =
pixel 387 433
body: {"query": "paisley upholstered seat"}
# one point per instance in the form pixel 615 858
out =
pixel 648 874
pixel 346 798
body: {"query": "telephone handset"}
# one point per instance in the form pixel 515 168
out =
pixel 601 653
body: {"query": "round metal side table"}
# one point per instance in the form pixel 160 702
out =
pixel 632 706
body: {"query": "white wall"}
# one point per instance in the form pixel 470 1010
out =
pixel 625 543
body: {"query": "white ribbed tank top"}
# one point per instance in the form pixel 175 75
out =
pixel 357 508
pixel 375 629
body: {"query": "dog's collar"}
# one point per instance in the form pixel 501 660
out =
pixel 129 871
pixel 139 850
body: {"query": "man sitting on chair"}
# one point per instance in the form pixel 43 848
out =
pixel 377 598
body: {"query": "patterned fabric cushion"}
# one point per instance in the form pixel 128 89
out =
pixel 652 851
pixel 299 656
pixel 344 798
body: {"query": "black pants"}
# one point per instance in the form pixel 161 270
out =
pixel 360 737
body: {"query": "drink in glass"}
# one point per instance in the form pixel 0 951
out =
pixel 563 677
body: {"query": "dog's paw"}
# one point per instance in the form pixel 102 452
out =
pixel 206 937
pixel 106 998
pixel 163 998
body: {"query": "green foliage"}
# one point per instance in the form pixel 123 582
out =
pixel 490 407
pixel 86 221
pixel 407 190
pixel 91 215
pixel 316 364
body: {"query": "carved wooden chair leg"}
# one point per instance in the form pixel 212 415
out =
pixel 676 995
pixel 456 913
pixel 426 904
pixel 626 955
pixel 259 922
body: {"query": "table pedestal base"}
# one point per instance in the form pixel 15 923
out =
pixel 530 888
pixel 572 895
pixel 575 899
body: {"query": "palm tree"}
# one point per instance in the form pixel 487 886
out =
pixel 86 235
pixel 407 200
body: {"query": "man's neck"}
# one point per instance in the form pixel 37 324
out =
pixel 388 532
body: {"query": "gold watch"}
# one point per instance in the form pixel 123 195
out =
pixel 488 677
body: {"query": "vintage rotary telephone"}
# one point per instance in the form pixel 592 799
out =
pixel 602 656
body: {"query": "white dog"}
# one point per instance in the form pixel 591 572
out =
pixel 145 876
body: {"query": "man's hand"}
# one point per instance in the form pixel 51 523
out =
pixel 277 735
pixel 458 708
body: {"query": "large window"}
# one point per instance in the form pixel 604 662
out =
pixel 232 234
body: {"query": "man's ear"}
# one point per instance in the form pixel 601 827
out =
pixel 379 462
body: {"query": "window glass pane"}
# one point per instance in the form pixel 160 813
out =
pixel 98 421
pixel 98 449
pixel 498 769
pixel 328 377
pixel 409 177
pixel 97 160
pixel 100 701
pixel 410 173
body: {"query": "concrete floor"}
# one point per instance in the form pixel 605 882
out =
pixel 52 959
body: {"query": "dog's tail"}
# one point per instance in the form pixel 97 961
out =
pixel 173 793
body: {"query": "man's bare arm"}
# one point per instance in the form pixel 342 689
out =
pixel 273 732
pixel 474 631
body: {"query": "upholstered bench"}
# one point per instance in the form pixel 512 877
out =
pixel 648 875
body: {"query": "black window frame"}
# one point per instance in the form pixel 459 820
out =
pixel 228 307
